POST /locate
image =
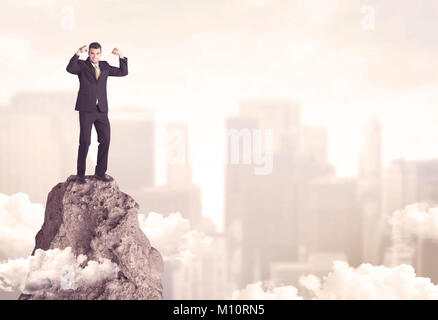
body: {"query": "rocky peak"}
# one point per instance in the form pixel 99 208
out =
pixel 98 221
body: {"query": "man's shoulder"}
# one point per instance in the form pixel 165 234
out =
pixel 103 63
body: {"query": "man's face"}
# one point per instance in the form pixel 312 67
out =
pixel 94 54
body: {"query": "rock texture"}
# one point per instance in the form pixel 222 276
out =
pixel 97 220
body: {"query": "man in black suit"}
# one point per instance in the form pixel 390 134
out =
pixel 92 104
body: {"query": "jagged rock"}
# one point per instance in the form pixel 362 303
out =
pixel 99 221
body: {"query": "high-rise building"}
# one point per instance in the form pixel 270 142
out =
pixel 179 194
pixel 131 158
pixel 370 190
pixel 201 277
pixel 178 164
pixel 407 182
pixel 330 218
pixel 261 210
pixel 314 146
pixel 240 195
pixel 39 139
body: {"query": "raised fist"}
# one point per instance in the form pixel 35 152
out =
pixel 83 49
pixel 117 52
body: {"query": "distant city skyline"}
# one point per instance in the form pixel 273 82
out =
pixel 196 61
pixel 348 87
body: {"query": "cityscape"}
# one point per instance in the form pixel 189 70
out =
pixel 278 226
pixel 276 149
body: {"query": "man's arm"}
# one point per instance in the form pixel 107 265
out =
pixel 73 65
pixel 123 62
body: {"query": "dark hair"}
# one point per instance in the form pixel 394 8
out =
pixel 95 45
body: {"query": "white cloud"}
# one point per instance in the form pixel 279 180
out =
pixel 20 221
pixel 366 282
pixel 417 221
pixel 370 282
pixel 13 274
pixel 255 291
pixel 53 268
pixel 173 236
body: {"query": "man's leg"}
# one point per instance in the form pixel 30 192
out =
pixel 85 123
pixel 103 130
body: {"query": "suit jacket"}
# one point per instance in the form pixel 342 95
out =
pixel 89 87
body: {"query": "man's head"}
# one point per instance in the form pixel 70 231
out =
pixel 94 52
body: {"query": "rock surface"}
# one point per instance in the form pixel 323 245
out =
pixel 99 221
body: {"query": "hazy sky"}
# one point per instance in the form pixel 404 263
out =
pixel 193 60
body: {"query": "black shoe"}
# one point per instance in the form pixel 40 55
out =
pixel 81 179
pixel 102 178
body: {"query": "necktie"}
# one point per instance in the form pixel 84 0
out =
pixel 97 72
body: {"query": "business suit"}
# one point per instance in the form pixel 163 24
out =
pixel 90 91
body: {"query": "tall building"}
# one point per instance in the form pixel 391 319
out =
pixel 427 187
pixel 408 182
pixel 178 165
pixel 314 144
pixel 281 116
pixel 261 210
pixel 39 139
pixel 370 190
pixel 402 246
pixel 179 194
pixel 132 151
pixel 400 185
pixel 240 193
pixel 330 218
pixel 203 277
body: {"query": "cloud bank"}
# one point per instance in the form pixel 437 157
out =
pixel 20 221
pixel 366 282
pixel 173 236
pixel 53 268
pixel 417 220
pixel 255 291
pixel 371 282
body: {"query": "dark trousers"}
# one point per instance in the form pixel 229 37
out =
pixel 102 125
